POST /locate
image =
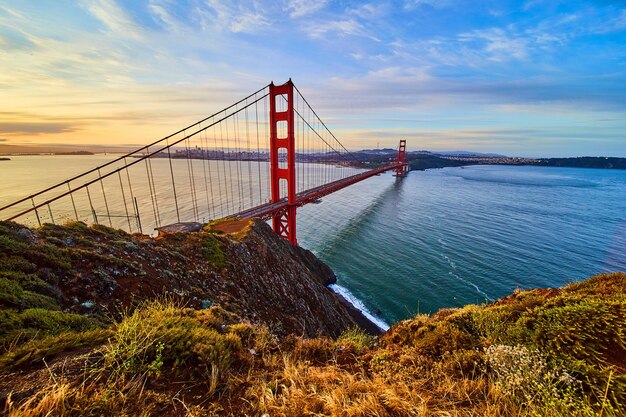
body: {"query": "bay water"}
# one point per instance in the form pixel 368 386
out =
pixel 437 238
pixel 448 237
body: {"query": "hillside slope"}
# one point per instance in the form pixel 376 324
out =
pixel 542 352
pixel 101 272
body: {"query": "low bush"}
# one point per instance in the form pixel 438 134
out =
pixel 35 351
pixel 160 336
pixel 17 327
pixel 355 339
pixel 212 251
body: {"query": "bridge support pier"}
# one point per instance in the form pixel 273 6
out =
pixel 283 158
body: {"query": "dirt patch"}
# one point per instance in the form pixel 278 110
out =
pixel 237 228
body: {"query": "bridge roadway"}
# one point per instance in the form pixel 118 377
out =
pixel 266 211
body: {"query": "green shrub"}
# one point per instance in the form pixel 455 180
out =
pixel 55 321
pixel 15 263
pixel 33 300
pixel 585 330
pixel 356 339
pixel 30 282
pixel 599 285
pixel 212 251
pixel 14 296
pixel 160 336
pixel 46 348
pixel 18 327
pixel 10 293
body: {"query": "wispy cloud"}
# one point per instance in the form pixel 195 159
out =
pixel 413 4
pixel 299 8
pixel 369 11
pixel 12 12
pixel 113 17
pixel 499 45
pixel 616 24
pixel 345 27
pixel 160 13
pixel 240 16
pixel 35 128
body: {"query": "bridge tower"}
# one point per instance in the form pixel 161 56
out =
pixel 283 159
pixel 401 171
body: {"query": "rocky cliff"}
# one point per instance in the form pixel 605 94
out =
pixel 103 272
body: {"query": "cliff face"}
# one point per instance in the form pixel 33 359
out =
pixel 103 272
pixel 284 286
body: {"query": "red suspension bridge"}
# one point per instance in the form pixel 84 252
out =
pixel 264 156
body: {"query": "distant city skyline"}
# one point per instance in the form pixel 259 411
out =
pixel 520 78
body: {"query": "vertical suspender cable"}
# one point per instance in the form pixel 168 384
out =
pixel 156 216
pixel 217 166
pixel 258 148
pixel 169 157
pixel 93 211
pixel 205 162
pixel 132 197
pixel 130 229
pixel 106 204
pixel 267 138
pixel 72 198
pixel 156 197
pixel 192 183
pixel 238 160
pixel 226 189
pixel 248 157
pixel 51 216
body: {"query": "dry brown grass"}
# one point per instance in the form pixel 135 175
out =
pixel 475 361
pixel 50 401
pixel 296 388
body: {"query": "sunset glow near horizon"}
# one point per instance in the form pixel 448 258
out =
pixel 533 78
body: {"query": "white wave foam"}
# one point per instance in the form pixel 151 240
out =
pixel 450 262
pixel 358 304
pixel 472 284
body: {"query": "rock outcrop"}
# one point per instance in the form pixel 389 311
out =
pixel 100 271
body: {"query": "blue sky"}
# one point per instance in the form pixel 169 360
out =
pixel 526 78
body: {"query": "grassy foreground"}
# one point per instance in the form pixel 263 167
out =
pixel 554 352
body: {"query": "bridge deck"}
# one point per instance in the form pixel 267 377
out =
pixel 266 211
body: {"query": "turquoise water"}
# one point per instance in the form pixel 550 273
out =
pixel 437 238
pixel 448 237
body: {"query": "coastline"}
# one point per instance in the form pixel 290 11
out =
pixel 366 320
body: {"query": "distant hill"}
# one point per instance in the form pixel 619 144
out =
pixel 378 151
pixel 469 154
pixel 75 153
pixel 584 162
pixel 420 162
